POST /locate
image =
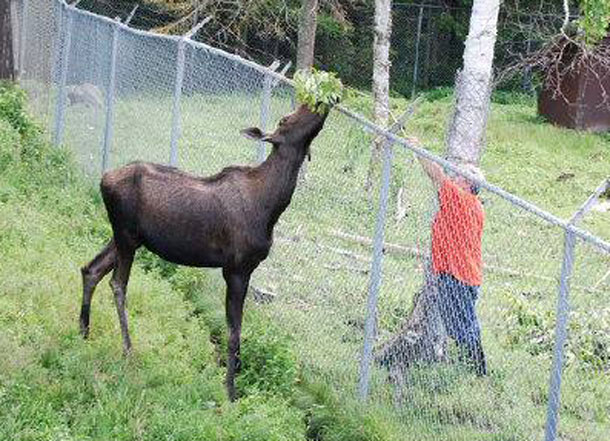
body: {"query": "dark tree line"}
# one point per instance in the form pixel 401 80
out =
pixel 7 68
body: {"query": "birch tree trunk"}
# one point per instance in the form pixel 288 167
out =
pixel 381 80
pixel 381 61
pixel 307 34
pixel 422 337
pixel 465 137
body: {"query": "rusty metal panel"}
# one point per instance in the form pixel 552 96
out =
pixel 582 105
pixel 595 108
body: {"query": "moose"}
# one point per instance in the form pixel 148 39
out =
pixel 221 221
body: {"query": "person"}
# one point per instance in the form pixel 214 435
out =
pixel 457 264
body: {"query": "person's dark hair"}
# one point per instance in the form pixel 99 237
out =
pixel 473 170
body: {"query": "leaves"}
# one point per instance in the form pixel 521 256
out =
pixel 317 89
pixel 594 20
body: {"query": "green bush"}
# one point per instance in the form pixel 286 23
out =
pixel 268 362
pixel 529 328
pixel 12 108
pixel 9 145
pixel 533 330
pixel 152 263
pixel 439 93
pixel 513 98
pixel 263 418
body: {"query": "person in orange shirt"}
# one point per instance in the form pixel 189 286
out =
pixel 457 265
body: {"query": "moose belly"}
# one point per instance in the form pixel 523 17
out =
pixel 185 250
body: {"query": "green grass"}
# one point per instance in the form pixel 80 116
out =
pixel 300 351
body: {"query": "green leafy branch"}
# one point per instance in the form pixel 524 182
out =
pixel 317 89
pixel 595 17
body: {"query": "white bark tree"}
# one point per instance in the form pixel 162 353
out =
pixel 381 79
pixel 381 61
pixel 422 336
pixel 307 34
pixel 465 137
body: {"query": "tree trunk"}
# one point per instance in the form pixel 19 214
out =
pixel 7 71
pixel 465 138
pixel 381 81
pixel 307 34
pixel 381 61
pixel 422 337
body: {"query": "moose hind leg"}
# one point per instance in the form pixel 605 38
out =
pixel 237 285
pixel 119 280
pixel 92 273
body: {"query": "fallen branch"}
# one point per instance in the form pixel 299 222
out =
pixel 346 253
pixel 262 296
pixel 415 252
pixel 600 281
pixel 387 247
pixel 401 205
pixel 347 268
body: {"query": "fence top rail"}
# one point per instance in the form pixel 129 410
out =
pixel 115 22
pixel 430 6
pixel 589 203
pixel 552 219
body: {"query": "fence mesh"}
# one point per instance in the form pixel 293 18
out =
pixel 586 376
pixel 86 86
pixel 317 281
pixel 436 392
pixel 39 22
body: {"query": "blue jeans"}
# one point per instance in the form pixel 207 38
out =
pixel 456 305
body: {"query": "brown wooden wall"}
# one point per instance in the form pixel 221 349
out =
pixel 583 105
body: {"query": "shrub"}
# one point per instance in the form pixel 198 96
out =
pixel 268 363
pixel 12 108
pixel 440 93
pixel 9 145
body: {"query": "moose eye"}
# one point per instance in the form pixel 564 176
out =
pixel 283 120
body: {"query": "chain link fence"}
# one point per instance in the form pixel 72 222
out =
pixel 349 278
pixel 428 42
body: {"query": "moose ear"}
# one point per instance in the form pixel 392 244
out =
pixel 255 133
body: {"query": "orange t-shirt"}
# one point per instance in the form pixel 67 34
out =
pixel 456 234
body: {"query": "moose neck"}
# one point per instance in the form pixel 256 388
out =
pixel 280 171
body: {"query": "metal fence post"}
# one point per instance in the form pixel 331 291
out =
pixel 375 280
pixel 417 41
pixel 563 308
pixel 561 331
pixel 23 38
pixel 265 109
pixel 57 58
pixel 180 61
pixel 60 111
pixel 107 142
pixel 173 153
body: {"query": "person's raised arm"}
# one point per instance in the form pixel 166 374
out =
pixel 433 170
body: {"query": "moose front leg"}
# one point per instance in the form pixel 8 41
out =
pixel 237 285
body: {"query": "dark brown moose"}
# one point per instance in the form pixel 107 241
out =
pixel 222 221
